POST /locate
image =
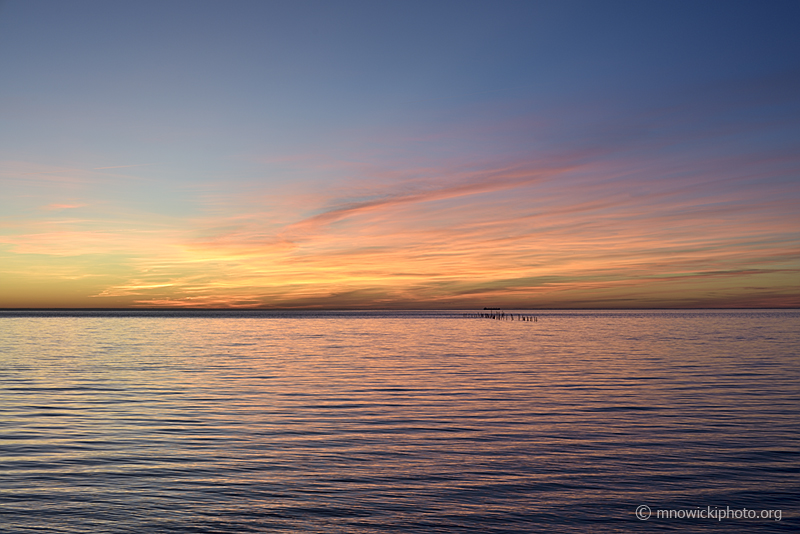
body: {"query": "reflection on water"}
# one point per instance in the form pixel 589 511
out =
pixel 396 422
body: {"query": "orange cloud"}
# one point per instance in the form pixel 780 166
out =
pixel 571 232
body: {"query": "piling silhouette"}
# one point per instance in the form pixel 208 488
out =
pixel 498 315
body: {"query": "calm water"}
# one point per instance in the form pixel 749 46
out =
pixel 397 422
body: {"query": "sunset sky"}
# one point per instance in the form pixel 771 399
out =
pixel 399 154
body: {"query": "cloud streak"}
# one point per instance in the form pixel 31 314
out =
pixel 681 205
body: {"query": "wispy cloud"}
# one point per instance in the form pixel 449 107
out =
pixel 513 235
pixel 654 208
pixel 56 206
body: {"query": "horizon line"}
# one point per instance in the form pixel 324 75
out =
pixel 186 308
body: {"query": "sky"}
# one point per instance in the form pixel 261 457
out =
pixel 399 154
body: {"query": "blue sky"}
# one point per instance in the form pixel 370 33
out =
pixel 152 137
